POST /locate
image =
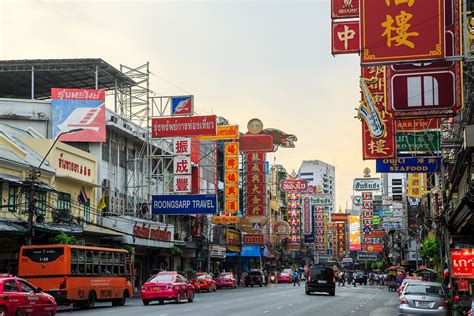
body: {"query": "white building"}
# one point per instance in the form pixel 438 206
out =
pixel 321 175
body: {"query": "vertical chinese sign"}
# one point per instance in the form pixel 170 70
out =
pixel 366 214
pixel 402 30
pixel 345 33
pixel 378 128
pixel 231 170
pixel 341 238
pixel 294 215
pixel 307 216
pixel 255 184
pixel 319 229
pixel 182 165
pixel 415 184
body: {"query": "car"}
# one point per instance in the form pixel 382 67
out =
pixel 226 279
pixel 284 277
pixel 255 277
pixel 404 283
pixel 19 297
pixel 423 298
pixel 203 282
pixel 361 277
pixel 320 279
pixel 166 286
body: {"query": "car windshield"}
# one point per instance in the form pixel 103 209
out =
pixel 423 289
pixel 321 273
pixel 159 278
pixel 285 274
pixel 201 277
pixel 225 276
pixel 255 273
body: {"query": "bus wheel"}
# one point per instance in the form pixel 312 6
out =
pixel 120 301
pixel 91 300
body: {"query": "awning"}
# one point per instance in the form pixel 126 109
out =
pixel 45 186
pixel 96 230
pixel 56 228
pixel 10 178
pixel 8 227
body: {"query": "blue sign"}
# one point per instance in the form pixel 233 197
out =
pixel 182 105
pixel 408 164
pixel 249 251
pixel 184 204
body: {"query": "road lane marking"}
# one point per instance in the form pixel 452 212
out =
pixel 290 304
pixel 265 312
pixel 279 307
pixel 187 310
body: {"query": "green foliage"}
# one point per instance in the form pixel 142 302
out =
pixel 430 249
pixel 65 239
pixel 189 273
pixel 176 251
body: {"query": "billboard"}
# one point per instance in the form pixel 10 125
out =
pixel 223 132
pixel 343 9
pixel 367 184
pixel 462 263
pixel 408 30
pixel 231 170
pixel 255 173
pixel 183 126
pixel 184 204
pixel 78 108
pixel 408 165
pixel 345 37
pixel 354 233
pixel 182 105
pixel 259 143
pixel 293 185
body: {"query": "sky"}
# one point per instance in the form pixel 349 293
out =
pixel 240 60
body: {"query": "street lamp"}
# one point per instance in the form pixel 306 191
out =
pixel 35 173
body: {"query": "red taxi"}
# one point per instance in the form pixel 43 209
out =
pixel 203 281
pixel 166 286
pixel 18 297
pixel 226 280
pixel 284 277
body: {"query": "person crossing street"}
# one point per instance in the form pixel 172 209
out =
pixel 296 278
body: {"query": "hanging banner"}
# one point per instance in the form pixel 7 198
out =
pixel 407 30
pixel 183 126
pixel 343 9
pixel 415 186
pixel 345 37
pixel 78 108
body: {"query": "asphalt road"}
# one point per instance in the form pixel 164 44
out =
pixel 276 299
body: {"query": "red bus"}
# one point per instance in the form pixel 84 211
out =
pixel 78 274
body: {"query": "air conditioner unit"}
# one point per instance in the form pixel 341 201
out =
pixel 106 183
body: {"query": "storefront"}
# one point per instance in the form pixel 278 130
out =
pixel 251 256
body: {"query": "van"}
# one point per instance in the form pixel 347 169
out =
pixel 320 279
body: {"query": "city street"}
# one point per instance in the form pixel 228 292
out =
pixel 276 299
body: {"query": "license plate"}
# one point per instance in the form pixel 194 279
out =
pixel 322 281
pixel 156 288
pixel 423 304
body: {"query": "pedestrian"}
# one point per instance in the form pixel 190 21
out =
pixel 354 277
pixel 341 277
pixel 296 278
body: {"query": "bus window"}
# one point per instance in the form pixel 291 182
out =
pixel 116 263
pixel 95 262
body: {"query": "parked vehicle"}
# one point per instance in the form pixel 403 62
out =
pixel 18 297
pixel 167 286
pixel 284 277
pixel 361 277
pixel 321 279
pixel 423 298
pixel 78 274
pixel 405 282
pixel 255 277
pixel 226 279
pixel 203 282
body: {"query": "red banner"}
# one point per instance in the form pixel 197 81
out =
pixel 251 143
pixel 253 239
pixel 345 37
pixel 462 263
pixel 255 168
pixel 343 9
pixel 183 126
pixel 384 145
pixel 255 178
pixel 402 30
pixel 256 157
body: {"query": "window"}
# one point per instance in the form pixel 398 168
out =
pixel 308 179
pixel 87 211
pixel 64 201
pixel 12 197
pixel 122 157
pixel 25 287
pixel 10 286
pixel 105 151
pixel 396 181
pixel 42 203
pixel 396 190
pixel 306 174
pixel 162 278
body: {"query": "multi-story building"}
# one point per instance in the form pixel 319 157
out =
pixel 323 176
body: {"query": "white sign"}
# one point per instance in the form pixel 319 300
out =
pixel 182 165
pixel 182 184
pixel 321 199
pixel 182 146
pixel 364 184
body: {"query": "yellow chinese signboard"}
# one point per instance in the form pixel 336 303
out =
pixel 223 132
pixel 416 184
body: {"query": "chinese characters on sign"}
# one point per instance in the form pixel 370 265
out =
pixel 345 37
pixel 231 167
pixel 294 214
pixel 320 228
pixel 341 238
pixel 402 30
pixel 307 216
pixel 343 9
pixel 182 165
pixel 415 184
pixel 255 186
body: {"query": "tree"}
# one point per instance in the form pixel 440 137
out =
pixel 65 239
pixel 430 249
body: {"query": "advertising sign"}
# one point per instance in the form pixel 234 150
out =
pixel 182 183
pixel 343 9
pixel 182 146
pixel 428 141
pixel 307 216
pixel 182 165
pixel 253 239
pixel 408 165
pixel 417 124
pixel 78 108
pixel 223 132
pixel 364 255
pixel 413 207
pixel 231 170
pixel 367 184
pixel 233 240
pixel 341 238
pixel 345 37
pixel 339 217
pixel 322 199
pixel 415 185
pixel 250 143
pixel 281 229
pixel 184 204
pixel 183 126
pixel 373 247
pixel 294 217
pixel 462 263
pixel 225 219
pixel 407 30
pixel 354 233
pixel 182 105
pixel 378 129
pixel 293 185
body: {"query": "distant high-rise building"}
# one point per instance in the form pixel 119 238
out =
pixel 322 175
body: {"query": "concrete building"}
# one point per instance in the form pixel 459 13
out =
pixel 322 175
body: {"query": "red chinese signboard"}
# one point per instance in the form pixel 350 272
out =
pixel 320 229
pixel 462 263
pixel 308 223
pixel 337 217
pixel 343 9
pixel 255 168
pixel 252 143
pixel 293 185
pixel 378 141
pixel 255 193
pixel 294 217
pixel 345 37
pixel 341 238
pixel 255 157
pixel 255 178
pixel 253 239
pixel 183 126
pixel 402 30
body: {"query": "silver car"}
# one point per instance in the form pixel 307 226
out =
pixel 423 298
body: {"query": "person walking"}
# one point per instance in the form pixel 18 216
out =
pixel 342 278
pixel 296 278
pixel 354 277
